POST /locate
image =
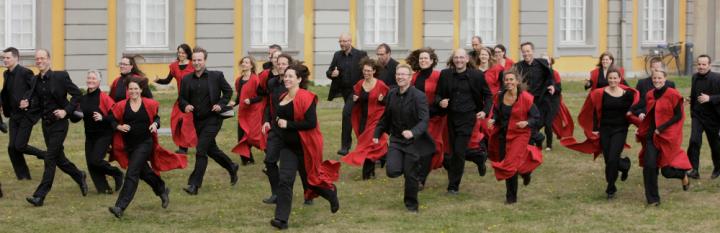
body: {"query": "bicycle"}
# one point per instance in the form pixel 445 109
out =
pixel 667 53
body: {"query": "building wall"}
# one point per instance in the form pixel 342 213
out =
pixel 86 44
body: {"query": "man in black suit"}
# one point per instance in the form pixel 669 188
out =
pixel 204 93
pixel 345 71
pixel 704 106
pixel 384 57
pixel 51 91
pixel 16 95
pixel 645 85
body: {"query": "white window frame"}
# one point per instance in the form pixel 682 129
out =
pixel 373 38
pixel 649 22
pixel 7 33
pixel 473 19
pixel 143 28
pixel 264 38
pixel 566 32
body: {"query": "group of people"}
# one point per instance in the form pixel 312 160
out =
pixel 410 118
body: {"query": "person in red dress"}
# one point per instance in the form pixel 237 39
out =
pixel 181 124
pixel 250 111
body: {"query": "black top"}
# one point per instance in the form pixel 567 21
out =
pixel 423 75
pixel 200 98
pixel 267 65
pixel 387 74
pixel 709 84
pixel 18 85
pixel 502 114
pixel 275 88
pixel 467 91
pixel 614 111
pixel 363 100
pixel 538 76
pixel 677 112
pixel 90 103
pixel 211 85
pixel 644 86
pixel 290 134
pixel 404 111
pixel 350 72
pixel 48 106
pixel 139 125
pixel 120 89
pixel 253 100
pixel 51 92
pixel 602 80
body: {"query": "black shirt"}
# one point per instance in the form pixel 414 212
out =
pixel 139 125
pixel 48 106
pixel 120 91
pixel 461 99
pixel 387 74
pixel 708 84
pixel 404 111
pixel 290 134
pixel 677 112
pixel 614 110
pixel 90 103
pixel 275 88
pixel 363 100
pixel 200 97
pixel 537 76
pixel 253 100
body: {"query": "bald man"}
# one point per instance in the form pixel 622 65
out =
pixel 345 71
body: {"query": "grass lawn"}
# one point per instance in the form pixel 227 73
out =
pixel 567 195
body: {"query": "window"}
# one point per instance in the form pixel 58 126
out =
pixel 268 23
pixel 481 17
pixel 146 24
pixel 572 21
pixel 381 22
pixel 654 19
pixel 17 24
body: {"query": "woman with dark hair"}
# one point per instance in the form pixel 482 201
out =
pixel 499 52
pixel 128 69
pixel 301 147
pixel 366 113
pixel 181 124
pixel 509 130
pixel 661 136
pixel 250 110
pixel 135 143
pixel 425 79
pixel 605 118
pixel 96 106
pixel 598 76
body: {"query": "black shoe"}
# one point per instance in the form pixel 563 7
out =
pixel 308 202
pixel 653 204
pixel 247 161
pixel 510 201
pixel 694 174
pixel 610 196
pixel 272 199
pixel 526 179
pixel 624 168
pixel 421 186
pixel 1 193
pixel 117 211
pixel 453 192
pixel 118 181
pixel 279 224
pixel 482 169
pixel 35 201
pixel 3 127
pixel 83 184
pixel 343 151
pixel 412 209
pixel 685 183
pixel 165 198
pixel 191 189
pixel 182 151
pixel 233 174
pixel 334 201
pixel 715 173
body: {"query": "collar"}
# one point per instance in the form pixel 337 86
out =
pixel 44 76
pixel 349 54
pixel 204 74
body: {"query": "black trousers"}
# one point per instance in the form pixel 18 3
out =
pixel 346 133
pixel 138 168
pixel 54 133
pixel 424 168
pixel 96 146
pixel 20 129
pixel 399 163
pixel 272 156
pixel 460 127
pixel 241 134
pixel 612 141
pixel 291 161
pixel 207 130
pixel 650 171
pixel 711 132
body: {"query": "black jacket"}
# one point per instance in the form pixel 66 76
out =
pixel 480 91
pixel 60 86
pixel 421 144
pixel 220 91
pixel 350 72
pixel 387 75
pixel 17 85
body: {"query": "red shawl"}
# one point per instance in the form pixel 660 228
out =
pixel 106 104
pixel 263 78
pixel 669 141
pixel 520 157
pixel 492 78
pixel 437 125
pixel 161 160
pixel 365 148
pixel 182 126
pixel 563 125
pixel 250 117
pixel 593 104
pixel 594 74
pixel 320 173
pixel 508 64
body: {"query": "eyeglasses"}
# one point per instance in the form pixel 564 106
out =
pixel 123 64
pixel 402 74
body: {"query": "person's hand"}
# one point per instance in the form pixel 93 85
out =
pixel 380 97
pixel 282 123
pixel 407 134
pixel 247 101
pixel 551 89
pixel 703 98
pixel 521 124
pixel 24 104
pixel 123 128
pixel 157 79
pixel 153 127
pixel 231 103
pixel 480 115
pixel 444 103
pixel 265 128
pixel 60 113
pixel 189 108
pixel 355 98
pixel 97 116
pixel 641 116
pixel 216 108
pixel 375 141
pixel 335 73
pixel 490 124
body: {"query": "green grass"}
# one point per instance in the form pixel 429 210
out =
pixel 567 195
